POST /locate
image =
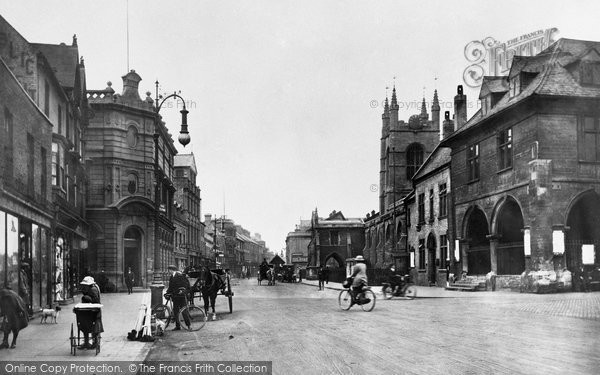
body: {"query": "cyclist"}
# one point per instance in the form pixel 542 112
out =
pixel 396 280
pixel 359 279
pixel 176 281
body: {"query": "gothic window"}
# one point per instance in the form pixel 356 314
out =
pixel 443 251
pixel 414 159
pixel 422 254
pixel 431 216
pixel 421 203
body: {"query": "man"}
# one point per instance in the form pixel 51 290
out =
pixel 176 281
pixel 129 279
pixel 321 278
pixel 359 275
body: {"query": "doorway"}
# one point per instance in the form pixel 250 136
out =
pixel 132 249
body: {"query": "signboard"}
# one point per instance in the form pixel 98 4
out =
pixel 299 258
pixel 587 254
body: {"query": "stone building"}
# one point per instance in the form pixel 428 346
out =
pixel 42 171
pixel 296 245
pixel 525 169
pixel 128 149
pixel 403 148
pixel 334 240
pixel 189 234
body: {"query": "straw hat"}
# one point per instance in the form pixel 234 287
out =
pixel 359 258
pixel 88 280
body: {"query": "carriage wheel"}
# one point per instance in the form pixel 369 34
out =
pixel 163 312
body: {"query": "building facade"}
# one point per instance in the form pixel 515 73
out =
pixel 525 169
pixel 297 244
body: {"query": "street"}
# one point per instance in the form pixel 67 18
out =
pixel 303 331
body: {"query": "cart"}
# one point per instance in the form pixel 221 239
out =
pixel 196 292
pixel 86 314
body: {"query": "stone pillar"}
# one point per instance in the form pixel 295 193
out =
pixel 494 253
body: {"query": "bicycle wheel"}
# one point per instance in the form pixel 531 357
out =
pixel 345 300
pixel 163 312
pixel 387 292
pixel 410 292
pixel 368 303
pixel 192 318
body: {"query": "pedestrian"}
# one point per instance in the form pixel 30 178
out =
pixel 90 324
pixel 321 277
pixel 129 280
pixel 176 282
pixel 326 276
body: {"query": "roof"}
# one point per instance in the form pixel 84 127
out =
pixel 63 59
pixel 440 157
pixel 494 85
pixel 277 260
pixel 553 78
pixel 185 160
pixel 244 238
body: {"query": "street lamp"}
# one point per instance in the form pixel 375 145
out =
pixel 184 139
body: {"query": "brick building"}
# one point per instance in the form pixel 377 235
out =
pixel 525 169
pixel 403 148
pixel 296 245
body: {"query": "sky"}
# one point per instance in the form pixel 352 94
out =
pixel 285 96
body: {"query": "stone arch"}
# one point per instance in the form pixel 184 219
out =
pixel 475 231
pixel 133 238
pixel 334 260
pixel 582 218
pixel 507 225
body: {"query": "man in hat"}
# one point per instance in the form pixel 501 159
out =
pixel 359 275
pixel 90 322
pixel 176 281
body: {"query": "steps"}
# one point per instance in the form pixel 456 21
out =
pixel 469 284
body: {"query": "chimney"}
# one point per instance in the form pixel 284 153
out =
pixel 460 108
pixel 447 126
pixel 131 81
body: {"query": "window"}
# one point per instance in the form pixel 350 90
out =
pixel 443 251
pixel 422 254
pixel 44 173
pixel 473 162
pixel 46 99
pixel 590 73
pixel 589 149
pixel 132 183
pixel 421 202
pixel 60 119
pixel 30 164
pixel 443 196
pixel 431 216
pixel 505 149
pixel 8 146
pixel 408 217
pixel 334 238
pixel 414 159
pixel 58 164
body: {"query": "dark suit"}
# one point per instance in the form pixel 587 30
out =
pixel 176 281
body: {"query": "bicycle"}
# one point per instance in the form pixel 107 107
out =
pixel 192 317
pixel 348 297
pixel 403 288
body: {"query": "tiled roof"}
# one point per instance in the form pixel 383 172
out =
pixel 185 160
pixel 553 79
pixel 63 59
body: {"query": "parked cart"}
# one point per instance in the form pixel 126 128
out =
pixel 85 314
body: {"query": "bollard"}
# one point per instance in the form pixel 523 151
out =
pixel 156 293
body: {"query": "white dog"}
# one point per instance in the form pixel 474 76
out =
pixel 51 313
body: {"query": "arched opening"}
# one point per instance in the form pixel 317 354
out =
pixel 414 159
pixel 431 250
pixel 478 244
pixel 583 238
pixel 510 253
pixel 132 250
pixel 336 267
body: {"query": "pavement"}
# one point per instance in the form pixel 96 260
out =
pixel 49 341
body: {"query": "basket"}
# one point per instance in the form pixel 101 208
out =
pixel 348 282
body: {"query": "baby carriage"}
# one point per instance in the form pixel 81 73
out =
pixel 86 315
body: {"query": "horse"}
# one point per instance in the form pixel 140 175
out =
pixel 271 276
pixel 14 310
pixel 209 284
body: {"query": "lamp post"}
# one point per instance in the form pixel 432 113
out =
pixel 184 139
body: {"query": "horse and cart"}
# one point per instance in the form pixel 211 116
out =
pixel 266 272
pixel 208 284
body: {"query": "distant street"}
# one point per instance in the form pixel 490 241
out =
pixel 303 331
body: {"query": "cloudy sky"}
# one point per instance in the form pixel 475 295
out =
pixel 284 96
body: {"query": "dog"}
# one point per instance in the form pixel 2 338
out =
pixel 50 313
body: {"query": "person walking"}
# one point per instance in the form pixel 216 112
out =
pixel 177 281
pixel 129 280
pixel 321 277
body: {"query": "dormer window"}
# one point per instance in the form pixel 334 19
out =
pixel 590 73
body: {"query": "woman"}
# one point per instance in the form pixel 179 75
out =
pixel 90 321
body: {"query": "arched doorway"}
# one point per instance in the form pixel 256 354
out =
pixel 478 257
pixel 336 268
pixel 132 250
pixel 584 222
pixel 431 267
pixel 510 252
